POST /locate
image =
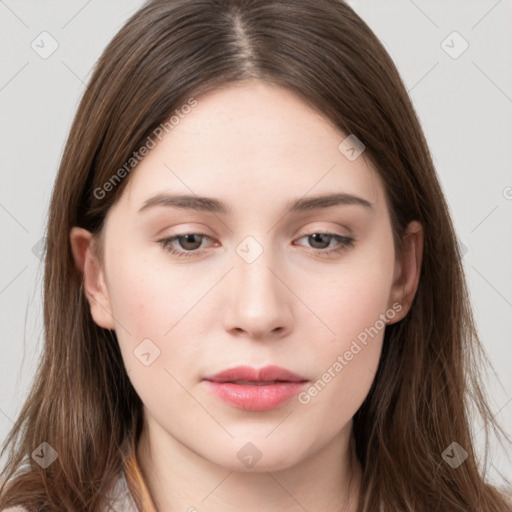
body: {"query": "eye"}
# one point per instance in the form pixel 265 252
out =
pixel 191 243
pixel 187 241
pixel 321 242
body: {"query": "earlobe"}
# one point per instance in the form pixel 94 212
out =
pixel 88 265
pixel 407 270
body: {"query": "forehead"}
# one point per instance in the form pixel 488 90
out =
pixel 255 144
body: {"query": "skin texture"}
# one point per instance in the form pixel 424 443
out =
pixel 255 146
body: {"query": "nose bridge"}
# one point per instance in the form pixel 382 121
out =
pixel 256 284
pixel 258 303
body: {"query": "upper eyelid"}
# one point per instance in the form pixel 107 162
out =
pixel 324 231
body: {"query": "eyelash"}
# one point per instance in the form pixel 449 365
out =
pixel 345 243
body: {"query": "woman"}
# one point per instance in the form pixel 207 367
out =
pixel 316 348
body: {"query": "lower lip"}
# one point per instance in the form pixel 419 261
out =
pixel 255 398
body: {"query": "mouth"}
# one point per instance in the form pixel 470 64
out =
pixel 261 390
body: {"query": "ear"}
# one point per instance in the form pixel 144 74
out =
pixel 407 270
pixel 90 267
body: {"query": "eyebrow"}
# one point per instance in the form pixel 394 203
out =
pixel 210 204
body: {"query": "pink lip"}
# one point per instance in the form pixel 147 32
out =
pixel 252 397
pixel 248 373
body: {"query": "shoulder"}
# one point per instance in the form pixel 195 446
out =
pixel 14 509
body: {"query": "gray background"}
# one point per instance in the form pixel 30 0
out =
pixel 464 105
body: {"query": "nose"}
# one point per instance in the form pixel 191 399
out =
pixel 259 301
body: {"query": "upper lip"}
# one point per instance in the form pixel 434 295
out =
pixel 249 374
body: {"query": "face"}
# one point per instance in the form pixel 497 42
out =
pixel 191 292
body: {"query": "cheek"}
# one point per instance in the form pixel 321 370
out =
pixel 353 298
pixel 150 334
pixel 346 361
pixel 159 313
pixel 146 309
pixel 355 307
pixel 138 304
pixel 145 297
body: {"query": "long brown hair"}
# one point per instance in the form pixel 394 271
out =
pixel 427 385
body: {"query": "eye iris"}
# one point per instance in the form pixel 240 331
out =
pixel 317 237
pixel 189 239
